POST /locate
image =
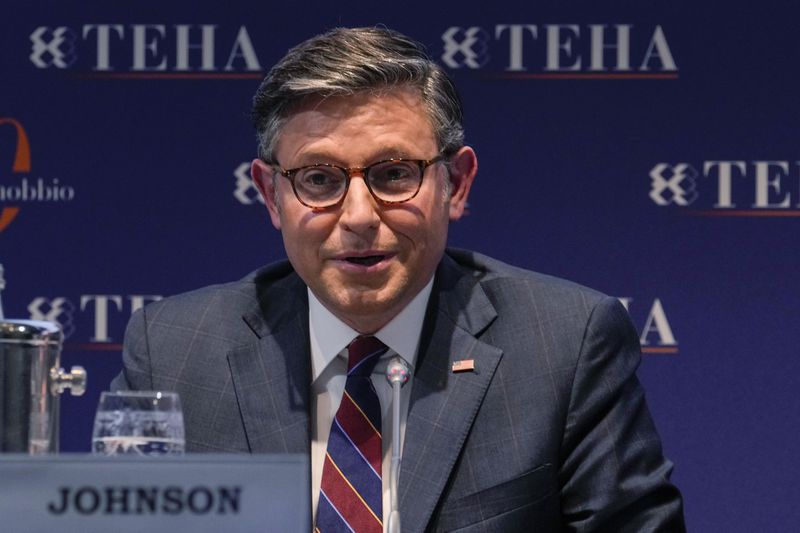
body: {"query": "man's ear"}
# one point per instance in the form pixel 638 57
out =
pixel 264 178
pixel 463 167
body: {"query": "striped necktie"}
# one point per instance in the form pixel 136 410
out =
pixel 351 495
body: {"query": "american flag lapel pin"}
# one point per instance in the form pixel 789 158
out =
pixel 464 365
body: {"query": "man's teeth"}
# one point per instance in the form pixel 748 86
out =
pixel 368 260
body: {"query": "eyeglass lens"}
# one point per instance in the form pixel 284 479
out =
pixel 390 181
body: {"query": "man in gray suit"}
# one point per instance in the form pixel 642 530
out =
pixel 523 412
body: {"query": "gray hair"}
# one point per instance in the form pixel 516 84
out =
pixel 344 61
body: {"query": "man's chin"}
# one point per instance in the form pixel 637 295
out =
pixel 366 309
pixel 365 304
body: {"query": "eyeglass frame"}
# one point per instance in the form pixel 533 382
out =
pixel 351 171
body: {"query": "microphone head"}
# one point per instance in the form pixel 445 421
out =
pixel 397 371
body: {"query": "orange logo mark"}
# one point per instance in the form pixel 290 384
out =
pixel 22 163
pixel 7 214
pixel 22 158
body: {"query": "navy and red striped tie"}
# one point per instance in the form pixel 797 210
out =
pixel 351 495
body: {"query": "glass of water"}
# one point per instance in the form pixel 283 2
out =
pixel 138 423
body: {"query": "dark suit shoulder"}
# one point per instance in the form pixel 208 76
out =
pixel 218 309
pixel 507 285
pixel 536 319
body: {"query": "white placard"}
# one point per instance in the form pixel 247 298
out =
pixel 198 493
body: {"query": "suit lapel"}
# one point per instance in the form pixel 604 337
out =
pixel 271 375
pixel 444 404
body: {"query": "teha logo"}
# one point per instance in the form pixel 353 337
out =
pixel 562 51
pixel 52 48
pixel 465 47
pixel 27 189
pixel 245 190
pixel 673 184
pixel 732 188
pixel 100 309
pixel 656 335
pixel 58 310
pixel 152 51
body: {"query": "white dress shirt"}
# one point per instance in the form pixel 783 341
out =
pixel 329 340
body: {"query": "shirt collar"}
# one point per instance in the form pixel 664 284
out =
pixel 329 335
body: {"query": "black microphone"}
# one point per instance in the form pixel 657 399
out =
pixel 397 375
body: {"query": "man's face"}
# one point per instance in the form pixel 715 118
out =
pixel 409 238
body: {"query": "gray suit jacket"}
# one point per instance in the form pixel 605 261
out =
pixel 550 432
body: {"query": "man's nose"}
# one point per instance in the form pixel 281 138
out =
pixel 359 209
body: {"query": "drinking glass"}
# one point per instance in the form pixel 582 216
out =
pixel 138 423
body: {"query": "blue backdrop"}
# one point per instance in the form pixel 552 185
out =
pixel 649 151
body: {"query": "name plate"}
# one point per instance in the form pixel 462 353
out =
pixel 198 493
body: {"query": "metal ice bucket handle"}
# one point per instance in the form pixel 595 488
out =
pixel 31 383
pixel 37 334
pixel 74 380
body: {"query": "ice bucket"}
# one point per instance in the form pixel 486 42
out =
pixel 31 383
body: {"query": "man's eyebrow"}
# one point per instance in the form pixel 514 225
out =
pixel 312 158
pixel 392 152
